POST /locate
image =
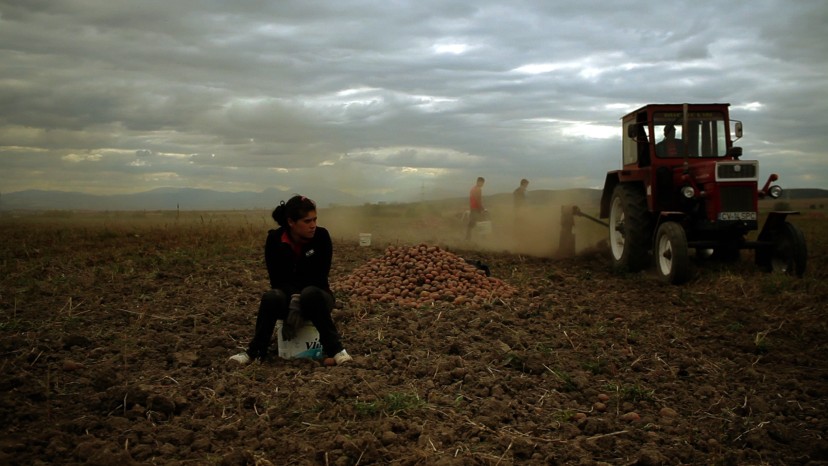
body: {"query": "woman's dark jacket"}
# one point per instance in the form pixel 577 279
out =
pixel 290 272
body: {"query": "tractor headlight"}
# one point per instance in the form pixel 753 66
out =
pixel 688 192
pixel 775 191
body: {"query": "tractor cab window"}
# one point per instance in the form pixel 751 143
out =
pixel 705 134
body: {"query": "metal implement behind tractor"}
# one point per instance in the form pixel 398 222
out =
pixel 691 191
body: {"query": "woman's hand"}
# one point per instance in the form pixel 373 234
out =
pixel 294 319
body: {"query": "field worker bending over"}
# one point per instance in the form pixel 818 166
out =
pixel 298 257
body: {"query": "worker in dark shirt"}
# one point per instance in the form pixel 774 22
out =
pixel 670 146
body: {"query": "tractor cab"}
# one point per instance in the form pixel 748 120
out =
pixel 664 135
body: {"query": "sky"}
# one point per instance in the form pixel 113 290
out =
pixel 388 100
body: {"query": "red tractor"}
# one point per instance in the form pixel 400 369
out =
pixel 691 191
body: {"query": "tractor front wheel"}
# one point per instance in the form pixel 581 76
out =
pixel 671 253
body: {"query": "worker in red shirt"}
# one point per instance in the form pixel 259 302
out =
pixel 476 210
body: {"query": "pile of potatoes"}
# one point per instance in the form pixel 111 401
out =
pixel 422 275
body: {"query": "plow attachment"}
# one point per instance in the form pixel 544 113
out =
pixel 566 246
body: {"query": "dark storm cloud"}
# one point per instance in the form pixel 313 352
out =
pixel 384 96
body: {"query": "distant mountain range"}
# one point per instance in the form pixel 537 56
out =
pixel 190 199
pixel 165 199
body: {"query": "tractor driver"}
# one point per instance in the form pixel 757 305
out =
pixel 670 146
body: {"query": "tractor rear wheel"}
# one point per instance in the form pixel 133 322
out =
pixel 671 253
pixel 630 227
pixel 789 253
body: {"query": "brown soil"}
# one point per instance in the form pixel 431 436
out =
pixel 115 341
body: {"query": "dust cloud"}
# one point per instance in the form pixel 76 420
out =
pixel 533 231
pixel 537 229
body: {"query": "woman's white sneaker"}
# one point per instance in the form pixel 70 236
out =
pixel 342 357
pixel 242 358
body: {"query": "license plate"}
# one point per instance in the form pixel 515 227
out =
pixel 737 216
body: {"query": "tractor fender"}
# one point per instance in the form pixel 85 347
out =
pixel 606 195
pixel 616 177
pixel 668 216
pixel 774 221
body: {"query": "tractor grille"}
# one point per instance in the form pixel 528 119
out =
pixel 737 198
pixel 737 171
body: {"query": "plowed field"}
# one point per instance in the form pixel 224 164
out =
pixel 115 336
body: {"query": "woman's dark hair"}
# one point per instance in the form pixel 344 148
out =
pixel 295 208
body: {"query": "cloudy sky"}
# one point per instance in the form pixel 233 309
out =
pixel 387 99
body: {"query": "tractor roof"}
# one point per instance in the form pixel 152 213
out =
pixel 675 107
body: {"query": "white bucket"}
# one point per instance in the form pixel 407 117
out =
pixel 483 228
pixel 365 239
pixel 304 345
